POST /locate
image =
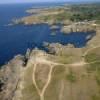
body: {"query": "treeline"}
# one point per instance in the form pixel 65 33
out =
pixel 85 12
pixel 76 13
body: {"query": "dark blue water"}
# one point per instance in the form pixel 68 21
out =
pixel 16 39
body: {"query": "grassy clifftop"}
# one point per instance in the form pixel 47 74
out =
pixel 45 77
pixel 72 13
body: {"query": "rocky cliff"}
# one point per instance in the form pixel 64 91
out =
pixel 50 76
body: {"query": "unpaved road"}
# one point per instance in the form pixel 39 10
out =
pixel 42 60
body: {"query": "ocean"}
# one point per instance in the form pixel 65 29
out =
pixel 16 39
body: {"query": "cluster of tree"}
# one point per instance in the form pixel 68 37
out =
pixel 77 13
pixel 85 12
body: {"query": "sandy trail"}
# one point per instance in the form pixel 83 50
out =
pixel 90 50
pixel 47 83
pixel 33 78
pixel 41 93
pixel 61 90
pixel 42 60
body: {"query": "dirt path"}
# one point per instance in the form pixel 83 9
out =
pixel 47 83
pixel 33 78
pixel 52 65
pixel 90 50
pixel 61 90
pixel 41 93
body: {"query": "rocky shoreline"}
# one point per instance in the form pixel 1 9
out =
pixel 79 27
pixel 11 73
pixel 10 77
pixel 17 76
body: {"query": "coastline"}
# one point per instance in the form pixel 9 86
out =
pixel 59 72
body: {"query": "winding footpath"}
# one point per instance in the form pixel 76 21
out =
pixel 34 81
pixel 47 83
pixel 52 65
pixel 90 50
pixel 41 93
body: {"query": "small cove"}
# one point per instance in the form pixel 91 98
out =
pixel 16 39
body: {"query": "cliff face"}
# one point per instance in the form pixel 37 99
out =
pixel 42 76
pixel 10 77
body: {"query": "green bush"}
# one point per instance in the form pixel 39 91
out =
pixel 71 76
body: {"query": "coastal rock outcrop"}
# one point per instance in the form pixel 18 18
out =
pixel 10 77
pixel 44 74
pixel 79 27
